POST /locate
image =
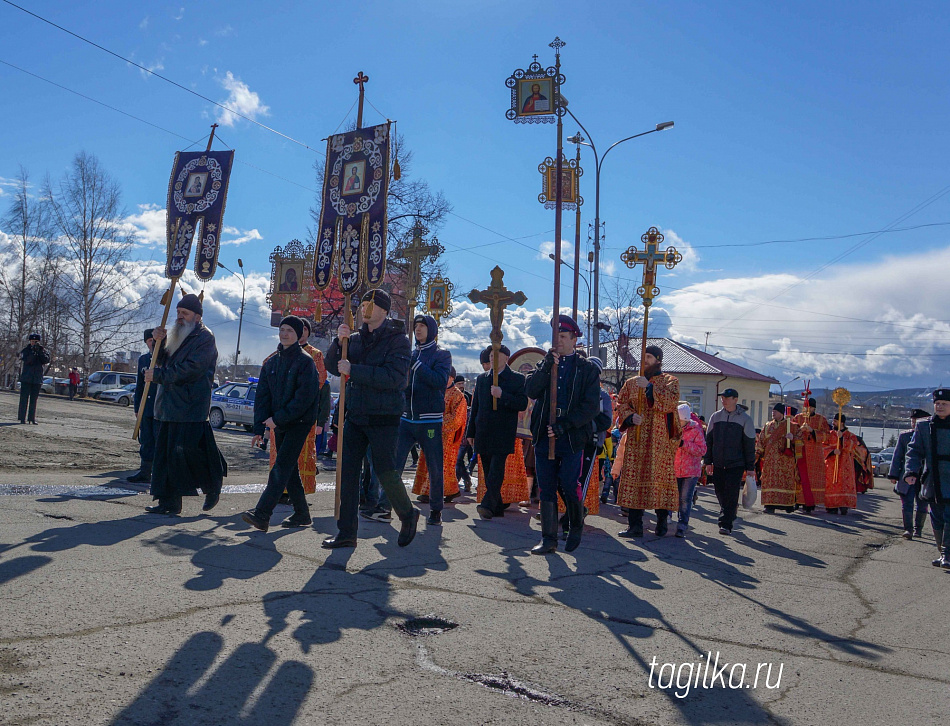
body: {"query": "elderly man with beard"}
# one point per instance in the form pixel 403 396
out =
pixel 186 456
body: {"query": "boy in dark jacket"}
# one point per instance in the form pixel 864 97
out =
pixel 149 428
pixel 421 422
pixel 286 401
pixel 578 403
pixel 33 359
pixel 375 371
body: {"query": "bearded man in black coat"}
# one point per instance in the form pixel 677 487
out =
pixel 186 456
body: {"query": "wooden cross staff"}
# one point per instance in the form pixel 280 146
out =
pixel 649 258
pixel 414 253
pixel 497 297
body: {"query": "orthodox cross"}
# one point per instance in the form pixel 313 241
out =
pixel 360 81
pixel 414 253
pixel 649 258
pixel 497 297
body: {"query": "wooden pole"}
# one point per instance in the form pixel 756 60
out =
pixel 360 80
pixel 641 398
pixel 552 414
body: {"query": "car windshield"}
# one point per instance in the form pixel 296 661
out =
pixel 129 387
pixel 97 376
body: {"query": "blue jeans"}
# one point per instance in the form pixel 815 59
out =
pixel 429 438
pixel 563 472
pixel 687 485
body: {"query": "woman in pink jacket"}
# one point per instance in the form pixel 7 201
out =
pixel 688 464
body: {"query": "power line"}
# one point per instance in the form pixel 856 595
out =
pixel 164 78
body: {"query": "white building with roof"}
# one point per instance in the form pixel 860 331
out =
pixel 702 376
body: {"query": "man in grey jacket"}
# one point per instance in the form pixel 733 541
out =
pixel 928 462
pixel 186 456
pixel 730 455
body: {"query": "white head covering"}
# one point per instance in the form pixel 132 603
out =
pixel 684 410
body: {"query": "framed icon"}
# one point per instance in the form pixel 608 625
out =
pixel 196 184
pixel 354 177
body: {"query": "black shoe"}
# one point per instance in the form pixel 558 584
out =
pixel 284 499
pixel 139 478
pixel 575 517
pixel 250 516
pixel 549 527
pixel 338 542
pixel 434 518
pixel 662 523
pixel 467 488
pixel 484 512
pixel 161 509
pixel 842 510
pixel 408 530
pixel 937 562
pixel 945 562
pixel 450 497
pixel 789 509
pixel 770 510
pixel 34 423
pixel 634 528
pixel 22 422
pixel 424 498
pixel 297 521
pixel 211 498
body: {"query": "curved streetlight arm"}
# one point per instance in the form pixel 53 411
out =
pixel 571 267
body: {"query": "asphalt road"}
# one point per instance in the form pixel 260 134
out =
pixel 114 616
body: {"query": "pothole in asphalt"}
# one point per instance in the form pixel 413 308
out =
pixel 58 516
pixel 428 625
pixel 512 687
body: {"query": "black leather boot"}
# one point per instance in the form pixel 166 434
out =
pixel 662 517
pixel 575 517
pixel 548 530
pixel 919 523
pixel 634 524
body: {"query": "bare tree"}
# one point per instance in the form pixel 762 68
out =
pixel 28 223
pixel 95 247
pixel 624 315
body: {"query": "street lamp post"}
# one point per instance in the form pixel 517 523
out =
pixel 598 163
pixel 586 282
pixel 781 387
pixel 243 279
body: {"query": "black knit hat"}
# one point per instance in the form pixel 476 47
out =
pixel 192 303
pixel 942 394
pixel 148 335
pixel 780 407
pixel 306 324
pixel 294 322
pixel 485 356
pixel 656 351
pixel 379 297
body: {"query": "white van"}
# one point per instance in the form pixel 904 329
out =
pixel 105 380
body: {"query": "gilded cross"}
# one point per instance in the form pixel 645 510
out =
pixel 360 80
pixel 416 251
pixel 649 258
pixel 497 297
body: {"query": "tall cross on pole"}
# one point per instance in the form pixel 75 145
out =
pixel 649 258
pixel 414 253
pixel 360 80
pixel 497 297
pixel 557 44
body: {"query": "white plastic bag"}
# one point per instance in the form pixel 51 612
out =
pixel 750 492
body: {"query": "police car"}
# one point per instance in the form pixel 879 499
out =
pixel 233 403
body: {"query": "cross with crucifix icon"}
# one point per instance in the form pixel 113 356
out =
pixel 649 258
pixel 414 253
pixel 497 297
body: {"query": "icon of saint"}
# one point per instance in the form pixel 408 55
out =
pixel 535 103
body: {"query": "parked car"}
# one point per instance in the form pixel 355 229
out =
pixel 233 403
pixel 881 463
pixel 122 396
pixel 54 385
pixel 107 380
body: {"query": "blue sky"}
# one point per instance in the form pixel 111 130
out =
pixel 795 121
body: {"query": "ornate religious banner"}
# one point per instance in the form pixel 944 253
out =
pixel 439 298
pixel 570 174
pixel 197 192
pixel 533 95
pixel 353 216
pixel 292 290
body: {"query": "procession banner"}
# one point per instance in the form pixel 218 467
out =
pixel 353 217
pixel 197 192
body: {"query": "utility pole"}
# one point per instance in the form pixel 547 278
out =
pixel 707 342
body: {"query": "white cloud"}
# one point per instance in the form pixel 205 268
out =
pixel 241 99
pixel 201 43
pixel 690 261
pixel 224 32
pixel 181 14
pixel 864 323
pixel 240 236
pixel 547 248
pixel 149 224
pixel 144 24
